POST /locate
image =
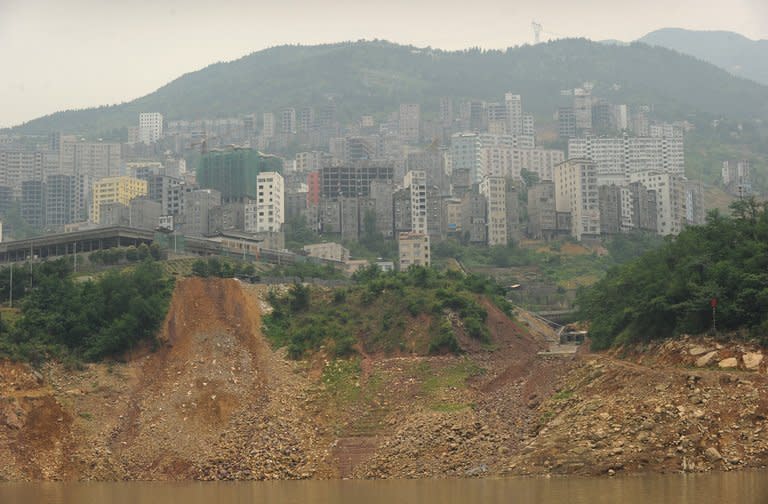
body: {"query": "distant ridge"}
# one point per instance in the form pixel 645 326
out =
pixel 735 53
pixel 375 76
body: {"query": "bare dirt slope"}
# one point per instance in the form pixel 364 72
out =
pixel 214 401
pixel 211 402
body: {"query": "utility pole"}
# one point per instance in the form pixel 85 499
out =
pixel 10 294
pixel 713 304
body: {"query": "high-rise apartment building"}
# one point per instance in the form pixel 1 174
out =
pixel 618 158
pixel 270 125
pixel 409 122
pixel 494 190
pixel 268 212
pixel 670 199
pixel 288 121
pixel 416 183
pixel 576 193
pixel 513 104
pixel 150 127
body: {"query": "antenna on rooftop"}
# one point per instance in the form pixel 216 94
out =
pixel 537 29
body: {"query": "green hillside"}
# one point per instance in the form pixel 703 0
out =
pixel 375 76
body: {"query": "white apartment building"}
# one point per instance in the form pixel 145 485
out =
pixel 414 250
pixel 617 158
pixel 494 190
pixel 416 182
pixel 542 162
pixel 514 109
pixel 466 151
pixel 288 121
pixel 150 127
pixel 268 212
pixel 576 192
pixel 670 199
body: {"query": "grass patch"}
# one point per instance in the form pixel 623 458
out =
pixel 341 379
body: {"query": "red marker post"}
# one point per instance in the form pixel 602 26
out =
pixel 713 304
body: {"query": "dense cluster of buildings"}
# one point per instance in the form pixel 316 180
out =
pixel 474 171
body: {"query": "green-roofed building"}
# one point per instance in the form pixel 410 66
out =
pixel 233 172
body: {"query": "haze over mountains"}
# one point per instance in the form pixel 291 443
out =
pixel 731 51
pixel 375 76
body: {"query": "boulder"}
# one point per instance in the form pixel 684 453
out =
pixel 752 360
pixel 730 362
pixel 698 350
pixel 706 360
pixel 712 454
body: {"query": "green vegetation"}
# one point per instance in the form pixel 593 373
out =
pixel 437 380
pixel 62 318
pixel 375 312
pixel 667 291
pixel 304 270
pixel 376 76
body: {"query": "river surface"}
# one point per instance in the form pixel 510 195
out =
pixel 737 487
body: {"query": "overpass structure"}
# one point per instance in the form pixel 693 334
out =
pixel 62 244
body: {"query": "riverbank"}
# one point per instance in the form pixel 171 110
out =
pixel 215 402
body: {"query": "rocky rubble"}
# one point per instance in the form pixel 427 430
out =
pixel 614 416
pixel 437 445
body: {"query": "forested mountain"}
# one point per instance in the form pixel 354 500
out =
pixel 375 76
pixel 733 52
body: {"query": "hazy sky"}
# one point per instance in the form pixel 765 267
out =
pixel 60 54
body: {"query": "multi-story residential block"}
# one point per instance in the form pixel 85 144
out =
pixel 33 203
pixel 542 220
pixel 610 203
pixel 268 212
pixel 198 204
pixel 576 193
pixel 168 191
pixel 643 208
pixel 466 152
pixel 474 228
pixel 542 162
pixel 566 122
pixel 17 166
pixel 414 250
pixel 737 177
pixel 382 193
pixel 270 125
pixel 618 158
pixel 416 184
pixel 494 190
pixel 353 180
pixel 150 127
pixel 670 192
pixel 288 121
pixel 513 105
pixel 115 190
pixel 512 207
pixel 409 122
pixel 446 111
pixel 61 200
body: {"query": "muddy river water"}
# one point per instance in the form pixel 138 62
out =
pixel 735 487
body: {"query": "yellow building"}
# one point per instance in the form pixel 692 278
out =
pixel 115 190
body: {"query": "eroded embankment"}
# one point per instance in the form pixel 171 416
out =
pixel 215 402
